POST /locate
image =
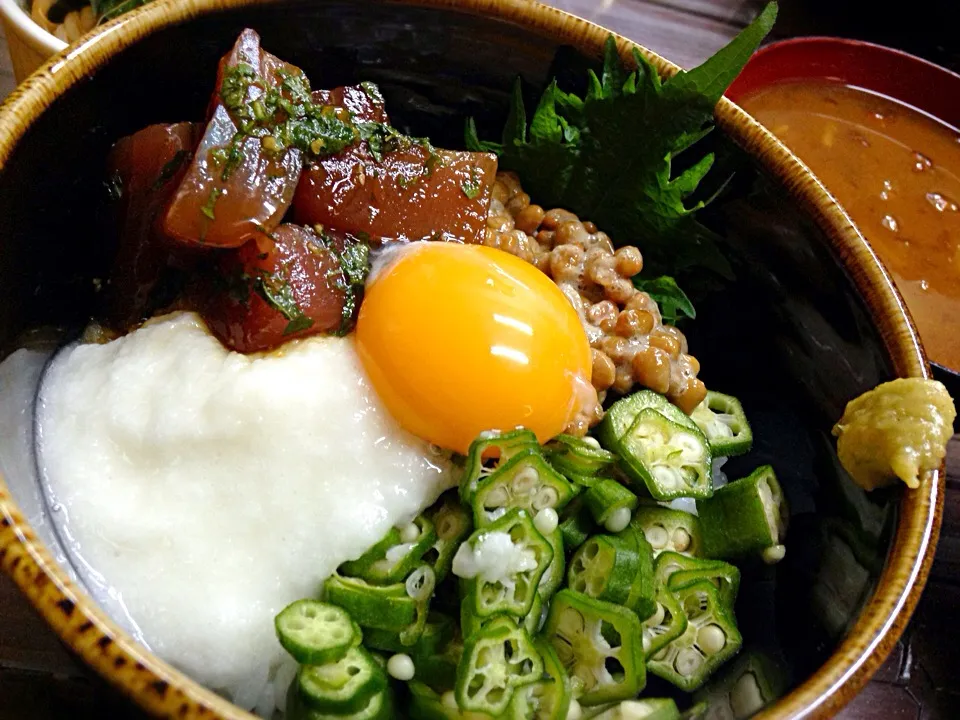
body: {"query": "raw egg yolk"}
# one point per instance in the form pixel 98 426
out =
pixel 459 339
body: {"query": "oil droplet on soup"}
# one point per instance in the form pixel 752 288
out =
pixel 896 171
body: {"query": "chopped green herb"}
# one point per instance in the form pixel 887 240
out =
pixel 373 92
pixel 608 155
pixel 276 291
pixel 207 208
pixel 297 325
pixel 283 116
pixel 382 138
pixel 471 187
pixel 354 264
pixel 671 300
pixel 236 86
pixel 170 168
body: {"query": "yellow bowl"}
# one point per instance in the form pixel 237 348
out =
pixel 823 303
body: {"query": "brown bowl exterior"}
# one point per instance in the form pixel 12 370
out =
pixel 164 691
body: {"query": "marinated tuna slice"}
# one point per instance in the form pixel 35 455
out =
pixel 391 187
pixel 262 123
pixel 144 170
pixel 364 102
pixel 296 284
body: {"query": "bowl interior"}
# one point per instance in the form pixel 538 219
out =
pixel 791 336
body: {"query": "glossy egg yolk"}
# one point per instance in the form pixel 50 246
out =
pixel 459 339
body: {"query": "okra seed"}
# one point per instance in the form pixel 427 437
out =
pixel 401 667
pixel 592 442
pixel 746 698
pixel 646 643
pixel 546 521
pixel 547 497
pixel 449 700
pixel 662 655
pixel 691 448
pixel 688 662
pixel 711 639
pixel 657 536
pixel 525 480
pixel 668 477
pixel 574 712
pixel 774 554
pixel 409 533
pixel 681 540
pixel 618 520
pixel 572 621
pixel 498 497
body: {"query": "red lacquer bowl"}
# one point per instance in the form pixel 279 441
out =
pixel 917 82
pixel 893 73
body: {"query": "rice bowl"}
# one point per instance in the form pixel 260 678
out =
pixel 788 553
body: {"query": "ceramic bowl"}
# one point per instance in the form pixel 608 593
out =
pixel 912 80
pixel 812 320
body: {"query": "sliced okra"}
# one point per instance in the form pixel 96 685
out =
pixel 669 459
pixel 600 645
pixel 675 572
pixel 610 504
pixel 526 482
pixel 496 661
pixel 315 632
pixel 534 619
pixel 710 639
pixel 745 517
pixel 667 623
pixel 379 706
pixel 502 565
pixel 576 524
pixel 344 686
pixel 745 686
pixel 553 578
pixel 623 413
pixel 489 452
pixel 439 669
pixel 396 555
pixel 471 623
pixel 384 607
pixel 722 420
pixel 579 457
pixel 604 567
pixel 669 530
pixel 452 523
pixel 548 698
pixel 400 607
pixel 419 585
pixel 643 589
pixel 438 630
pixel 641 709
pixel 426 703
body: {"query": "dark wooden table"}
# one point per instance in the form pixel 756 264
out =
pixel 40 681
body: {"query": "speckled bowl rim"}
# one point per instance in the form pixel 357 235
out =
pixel 164 691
